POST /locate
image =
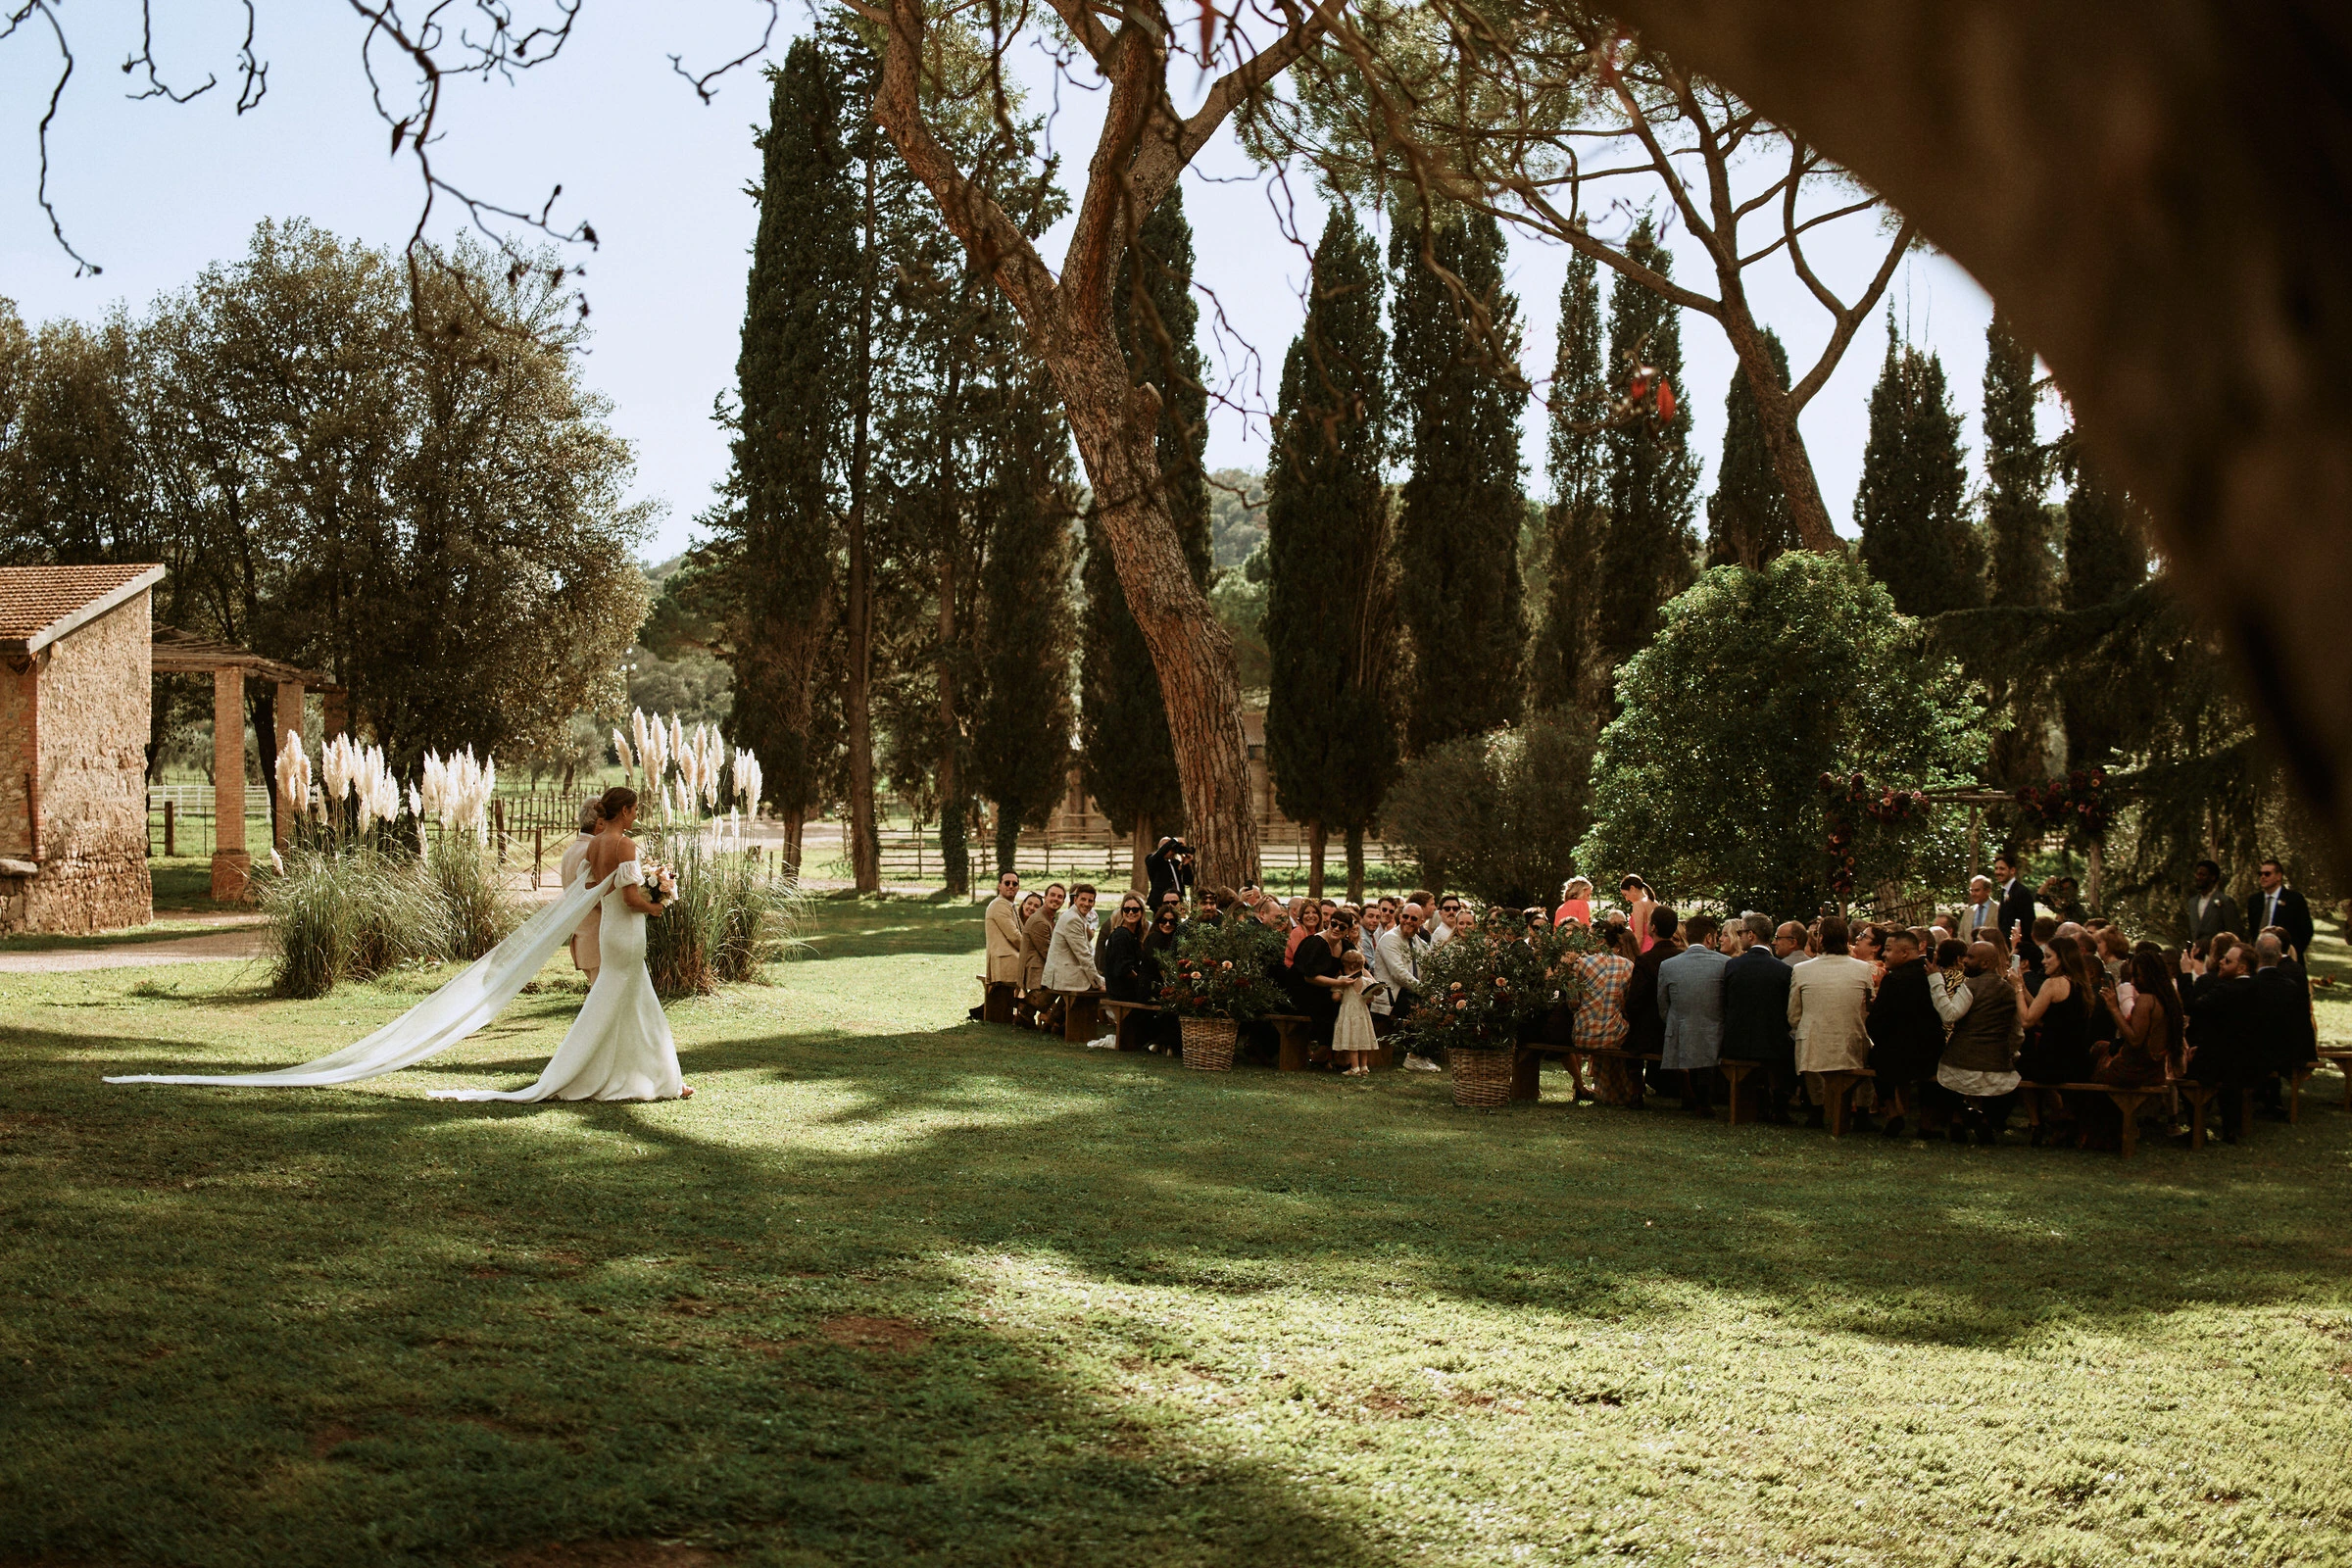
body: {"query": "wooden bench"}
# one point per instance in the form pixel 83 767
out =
pixel 1079 1017
pixel 2342 1059
pixel 1736 1071
pixel 1840 1087
pixel 2128 1102
pixel 996 997
pixel 1130 1020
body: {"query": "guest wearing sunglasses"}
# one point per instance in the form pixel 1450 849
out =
pixel 1126 965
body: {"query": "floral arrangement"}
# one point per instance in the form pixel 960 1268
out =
pixel 1224 971
pixel 1480 987
pixel 1849 797
pixel 2076 806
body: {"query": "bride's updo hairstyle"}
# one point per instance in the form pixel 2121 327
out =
pixel 616 799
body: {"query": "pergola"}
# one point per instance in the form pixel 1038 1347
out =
pixel 179 653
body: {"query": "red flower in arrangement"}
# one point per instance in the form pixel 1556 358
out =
pixel 1502 982
pixel 1227 964
pixel 1459 1005
pixel 1458 985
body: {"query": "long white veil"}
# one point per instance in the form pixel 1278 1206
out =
pixel 474 996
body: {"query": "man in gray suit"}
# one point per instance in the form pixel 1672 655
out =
pixel 1691 997
pixel 2211 908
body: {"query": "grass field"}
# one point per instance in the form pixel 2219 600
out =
pixel 898 1288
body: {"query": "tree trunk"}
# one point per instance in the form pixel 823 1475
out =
pixel 1318 840
pixel 954 849
pixel 865 855
pixel 1776 418
pixel 1115 425
pixel 1356 865
pixel 792 820
pixel 1009 840
pixel 2094 866
pixel 2156 198
pixel 1140 842
pixel 957 869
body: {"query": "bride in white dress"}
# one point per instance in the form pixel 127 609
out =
pixel 620 1046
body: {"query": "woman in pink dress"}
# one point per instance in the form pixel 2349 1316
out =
pixel 1576 902
pixel 1639 901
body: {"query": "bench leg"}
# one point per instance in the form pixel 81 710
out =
pixel 2196 1120
pixel 1735 1076
pixel 1292 1053
pixel 1837 1086
pixel 2294 1097
pixel 2129 1106
pixel 998 1007
pixel 1527 1076
pixel 1078 1018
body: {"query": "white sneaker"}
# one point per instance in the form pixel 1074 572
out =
pixel 1419 1063
pixel 1106 1043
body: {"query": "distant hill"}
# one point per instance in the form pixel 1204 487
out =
pixel 1237 516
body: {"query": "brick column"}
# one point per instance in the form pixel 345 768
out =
pixel 286 715
pixel 231 865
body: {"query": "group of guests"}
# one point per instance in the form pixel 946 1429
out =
pixel 1956 1019
pixel 1952 1019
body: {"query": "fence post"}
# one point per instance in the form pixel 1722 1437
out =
pixel 538 855
pixel 170 826
pixel 497 824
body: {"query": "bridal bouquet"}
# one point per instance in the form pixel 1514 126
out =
pixel 660 882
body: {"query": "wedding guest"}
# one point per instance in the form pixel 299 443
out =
pixel 1127 975
pixel 1402 950
pixel 1690 998
pixel 2015 899
pixel 2225 1024
pixel 1037 940
pixel 1311 974
pixel 2279 904
pixel 2211 908
pixel 1906 1032
pixel 2287 1041
pixel 587 955
pixel 2062 1012
pixel 1828 1012
pixel 1353 1042
pixel 1451 921
pixel 1979 1062
pixel 1306 919
pixel 1601 1023
pixel 1576 902
pixel 1791 944
pixel 1639 904
pixel 1980 915
pixel 1002 925
pixel 1159 962
pixel 1646 1034
pixel 2151 1032
pixel 1070 956
pixel 1755 1014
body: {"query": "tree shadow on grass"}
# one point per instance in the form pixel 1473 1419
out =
pixel 354 1326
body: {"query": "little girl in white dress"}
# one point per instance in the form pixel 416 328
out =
pixel 1352 1038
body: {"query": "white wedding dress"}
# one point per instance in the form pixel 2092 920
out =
pixel 620 1046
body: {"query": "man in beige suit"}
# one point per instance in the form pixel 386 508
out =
pixel 1828 1012
pixel 586 955
pixel 1002 925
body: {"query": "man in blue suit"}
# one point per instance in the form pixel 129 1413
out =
pixel 1691 997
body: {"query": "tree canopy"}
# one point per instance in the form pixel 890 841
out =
pixel 1707 782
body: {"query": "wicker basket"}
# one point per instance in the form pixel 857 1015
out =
pixel 1208 1044
pixel 1482 1077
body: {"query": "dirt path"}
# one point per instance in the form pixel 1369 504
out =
pixel 237 937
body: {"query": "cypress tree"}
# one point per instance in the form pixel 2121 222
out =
pixel 1916 535
pixel 1651 478
pixel 1747 516
pixel 1458 547
pixel 2018 574
pixel 1561 676
pixel 2105 560
pixel 1127 760
pixel 784 489
pixel 1330 740
pixel 1022 724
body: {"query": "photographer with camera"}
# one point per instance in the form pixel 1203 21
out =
pixel 1170 868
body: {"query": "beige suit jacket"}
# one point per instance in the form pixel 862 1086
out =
pixel 1003 941
pixel 1828 1012
pixel 1036 938
pixel 585 952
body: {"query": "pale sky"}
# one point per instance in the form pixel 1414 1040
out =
pixel 153 192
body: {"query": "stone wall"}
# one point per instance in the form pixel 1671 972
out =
pixel 16 762
pixel 95 696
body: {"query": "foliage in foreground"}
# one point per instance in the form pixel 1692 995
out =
pixel 1708 782
pixel 891 1289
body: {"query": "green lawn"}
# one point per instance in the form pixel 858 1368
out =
pixel 898 1288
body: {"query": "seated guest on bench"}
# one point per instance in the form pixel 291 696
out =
pixel 2060 1015
pixel 1906 1032
pixel 1979 1058
pixel 1756 1020
pixel 1600 1023
pixel 1035 938
pixel 1002 926
pixel 1829 1013
pixel 1127 976
pixel 1691 997
pixel 2225 1028
pixel 1071 958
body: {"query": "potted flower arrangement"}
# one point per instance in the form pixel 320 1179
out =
pixel 1218 981
pixel 1480 991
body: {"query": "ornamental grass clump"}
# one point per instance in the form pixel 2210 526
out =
pixel 1224 971
pixel 477 910
pixel 348 912
pixel 732 915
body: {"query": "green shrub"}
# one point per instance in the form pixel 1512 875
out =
pixel 478 911
pixel 1499 815
pixel 348 912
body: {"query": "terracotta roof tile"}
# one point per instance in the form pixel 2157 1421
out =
pixel 33 599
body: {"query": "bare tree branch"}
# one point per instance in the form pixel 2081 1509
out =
pixel 702 83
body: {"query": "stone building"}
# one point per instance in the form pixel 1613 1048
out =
pixel 74 703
